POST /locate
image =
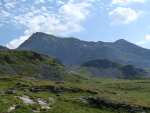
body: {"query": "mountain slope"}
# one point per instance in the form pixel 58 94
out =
pixel 30 64
pixel 106 68
pixel 3 48
pixel 73 51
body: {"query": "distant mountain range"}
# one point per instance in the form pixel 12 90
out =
pixel 72 51
pixel 42 56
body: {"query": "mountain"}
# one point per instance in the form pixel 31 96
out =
pixel 101 63
pixel 106 68
pixel 72 51
pixel 30 64
pixel 3 48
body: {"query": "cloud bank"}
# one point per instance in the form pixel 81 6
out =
pixel 125 2
pixel 123 12
pixel 60 17
pixel 121 15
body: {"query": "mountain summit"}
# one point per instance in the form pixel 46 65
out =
pixel 72 51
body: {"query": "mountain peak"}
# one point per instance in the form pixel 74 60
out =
pixel 121 41
pixel 72 51
pixel 42 35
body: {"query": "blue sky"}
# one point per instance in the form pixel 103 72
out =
pixel 92 20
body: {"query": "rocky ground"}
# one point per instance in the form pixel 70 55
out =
pixel 19 95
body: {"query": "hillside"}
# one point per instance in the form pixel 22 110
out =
pixel 106 68
pixel 34 83
pixel 72 51
pixel 3 48
pixel 30 64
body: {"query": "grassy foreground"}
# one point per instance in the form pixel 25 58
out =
pixel 72 97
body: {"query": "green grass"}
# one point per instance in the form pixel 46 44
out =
pixel 133 92
pixel 30 64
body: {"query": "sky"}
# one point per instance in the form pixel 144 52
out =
pixel 90 20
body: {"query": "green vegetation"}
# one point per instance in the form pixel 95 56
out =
pixel 107 68
pixel 34 83
pixel 72 97
pixel 30 64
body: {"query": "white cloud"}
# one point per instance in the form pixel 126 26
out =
pixel 16 42
pixel 122 15
pixel 124 2
pixel 65 19
pixel 147 37
pixel 145 41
